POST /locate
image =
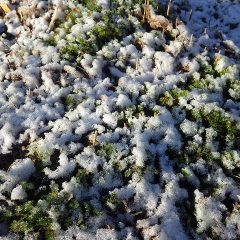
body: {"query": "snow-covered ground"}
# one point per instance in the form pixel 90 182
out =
pixel 221 18
pixel 115 127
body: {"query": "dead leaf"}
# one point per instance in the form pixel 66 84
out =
pixel 139 43
pixel 159 22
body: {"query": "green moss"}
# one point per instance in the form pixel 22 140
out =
pixel 111 198
pixel 105 32
pixel 32 216
pixel 67 222
pixel 81 176
pixel 156 110
pixel 116 166
pixel 91 210
pixel 134 169
pixel 192 153
pixel 194 114
pixel 108 28
pixel 53 197
pixel 177 93
pixel 27 186
pixel 86 46
pixel 206 69
pixel 193 82
pixel 29 218
pixel 225 71
pixel 131 110
pixel 71 102
pixel 70 51
pixel 154 3
pixel 106 150
pixel 91 5
pixel 38 156
pixel 20 226
pixel 183 158
pixel 71 17
pixel 218 121
pixel 205 153
pixel 51 41
pixel 166 100
pixel 172 96
pixel 215 62
pixel 232 89
pixel 229 155
pixel 185 172
pixel 140 108
pixel 73 204
pixel 49 235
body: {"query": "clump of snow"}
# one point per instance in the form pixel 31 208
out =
pixel 189 128
pixel 20 170
pixel 64 169
pixel 123 101
pixel 110 120
pixel 88 159
pixel 164 64
pixel 208 212
pixel 18 193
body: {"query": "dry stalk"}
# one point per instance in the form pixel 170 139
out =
pixel 54 18
pixel 94 138
pixel 137 213
pixel 4 8
pixel 137 64
pixel 169 7
pixel 127 209
pixel 146 13
pixel 190 15
pixel 191 40
pixel 157 21
pixel 9 98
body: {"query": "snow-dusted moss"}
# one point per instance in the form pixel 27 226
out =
pixel 112 129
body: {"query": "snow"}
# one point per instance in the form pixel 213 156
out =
pixel 65 168
pixel 189 128
pixel 208 212
pixel 129 135
pixel 123 101
pixel 18 193
pixel 164 64
pixel 20 170
pixel 88 159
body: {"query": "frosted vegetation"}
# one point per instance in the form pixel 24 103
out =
pixel 115 124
